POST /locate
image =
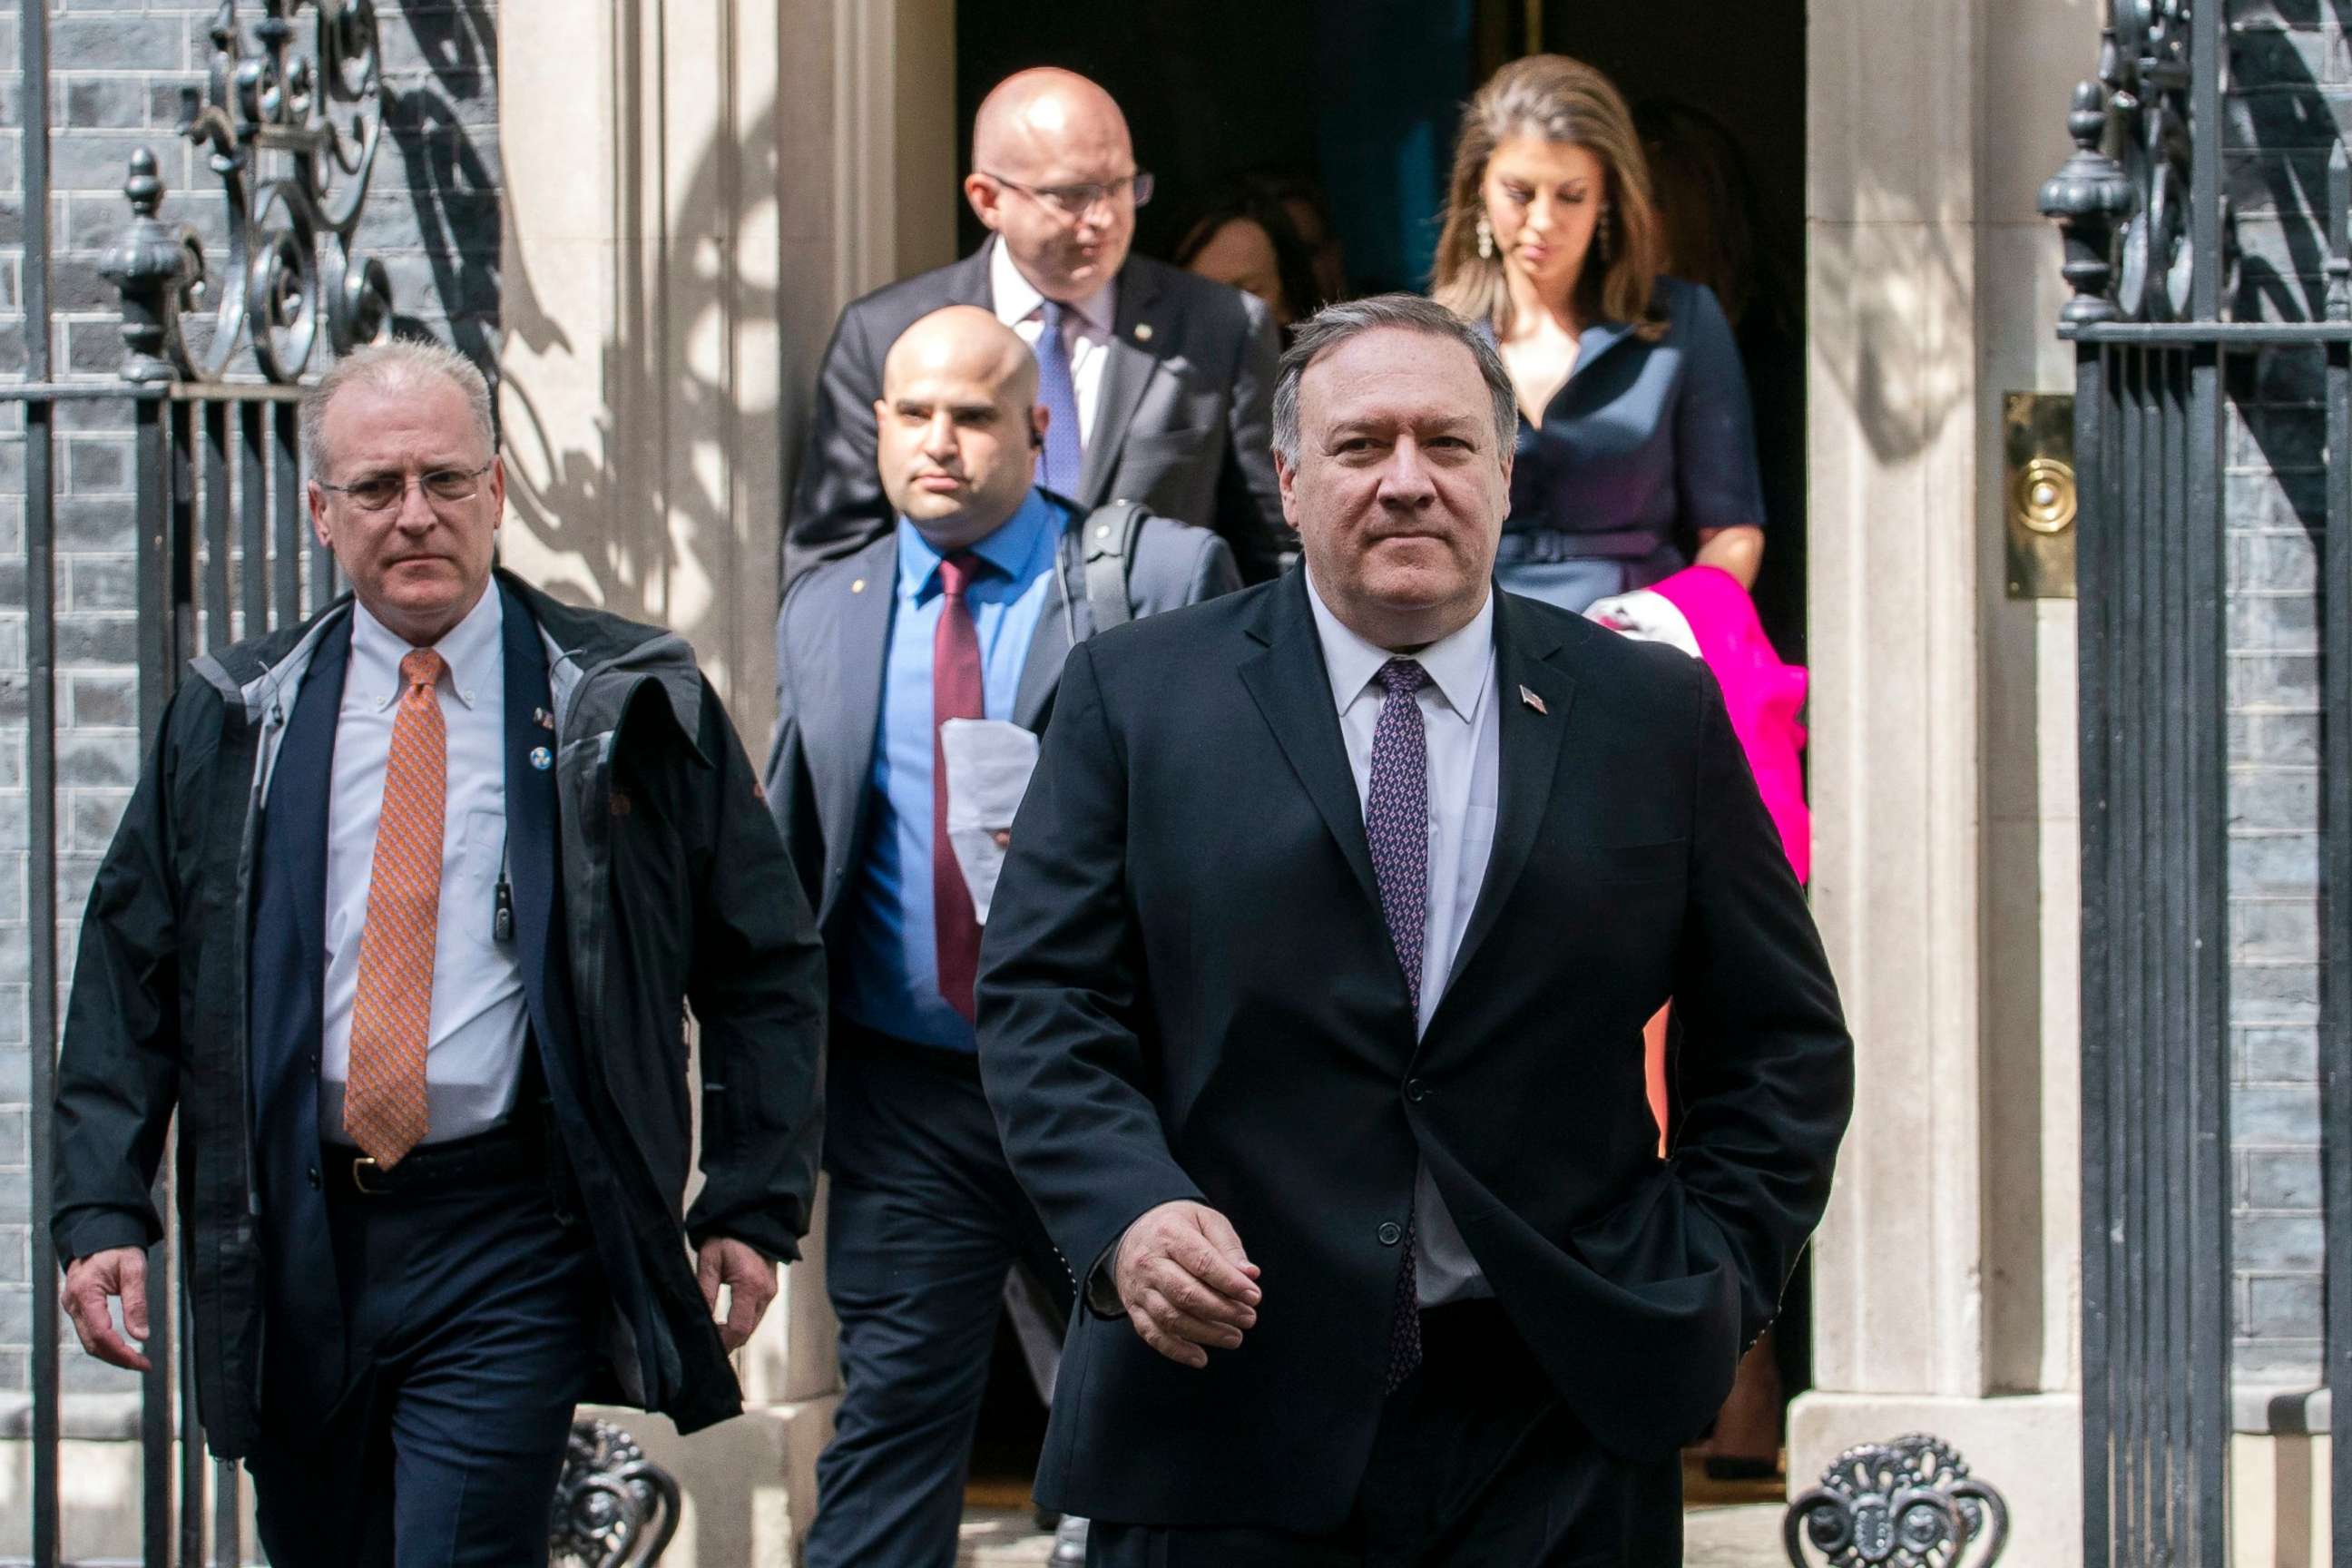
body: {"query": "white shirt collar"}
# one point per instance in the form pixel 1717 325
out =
pixel 1017 299
pixel 1458 663
pixel 473 649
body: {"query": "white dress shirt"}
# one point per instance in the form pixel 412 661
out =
pixel 1458 715
pixel 479 1023
pixel 1086 328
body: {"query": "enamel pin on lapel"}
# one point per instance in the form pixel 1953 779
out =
pixel 1142 332
pixel 542 718
pixel 541 758
pixel 1532 701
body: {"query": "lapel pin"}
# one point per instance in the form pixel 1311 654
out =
pixel 858 586
pixel 542 718
pixel 1142 332
pixel 1532 701
pixel 541 758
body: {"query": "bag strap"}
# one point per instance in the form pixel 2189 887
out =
pixel 1108 544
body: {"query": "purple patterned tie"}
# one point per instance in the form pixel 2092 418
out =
pixel 1064 455
pixel 1396 825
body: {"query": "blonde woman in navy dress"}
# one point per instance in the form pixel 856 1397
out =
pixel 1637 447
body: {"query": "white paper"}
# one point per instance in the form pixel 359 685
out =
pixel 1646 617
pixel 988 763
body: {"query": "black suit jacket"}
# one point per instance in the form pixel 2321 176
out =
pixel 306 1350
pixel 1188 991
pixel 1184 424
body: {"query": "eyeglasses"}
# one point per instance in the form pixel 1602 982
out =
pixel 1076 201
pixel 381 492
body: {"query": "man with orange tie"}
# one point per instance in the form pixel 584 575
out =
pixel 405 920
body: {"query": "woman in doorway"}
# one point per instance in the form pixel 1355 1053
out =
pixel 1636 454
pixel 1637 449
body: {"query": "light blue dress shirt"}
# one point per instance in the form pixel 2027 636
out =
pixel 891 976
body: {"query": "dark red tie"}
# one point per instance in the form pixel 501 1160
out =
pixel 958 691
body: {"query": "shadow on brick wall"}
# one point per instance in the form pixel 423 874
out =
pixel 441 119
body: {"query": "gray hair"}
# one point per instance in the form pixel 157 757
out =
pixel 390 366
pixel 1335 325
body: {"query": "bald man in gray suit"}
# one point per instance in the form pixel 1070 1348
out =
pixel 966 608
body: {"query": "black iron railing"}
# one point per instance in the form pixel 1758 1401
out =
pixel 2148 254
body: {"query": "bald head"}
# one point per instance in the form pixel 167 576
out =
pixel 1041 139
pixel 958 426
pixel 967 343
pixel 1039 114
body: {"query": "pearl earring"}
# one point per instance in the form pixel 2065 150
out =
pixel 1485 239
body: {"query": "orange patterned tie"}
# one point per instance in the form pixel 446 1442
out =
pixel 384 1103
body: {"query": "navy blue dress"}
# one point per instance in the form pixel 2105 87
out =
pixel 1644 446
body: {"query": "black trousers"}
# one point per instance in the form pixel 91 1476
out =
pixel 470 1315
pixel 1476 1464
pixel 925 1220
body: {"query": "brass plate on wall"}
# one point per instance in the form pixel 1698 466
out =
pixel 2038 498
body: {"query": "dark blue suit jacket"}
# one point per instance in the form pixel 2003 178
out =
pixel 303 1353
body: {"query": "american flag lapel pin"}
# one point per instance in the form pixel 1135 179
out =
pixel 1532 701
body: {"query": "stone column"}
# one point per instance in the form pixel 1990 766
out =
pixel 710 181
pixel 1942 751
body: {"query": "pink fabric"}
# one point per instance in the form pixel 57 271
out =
pixel 1762 694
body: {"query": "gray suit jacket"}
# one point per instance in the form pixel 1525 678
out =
pixel 832 636
pixel 1184 424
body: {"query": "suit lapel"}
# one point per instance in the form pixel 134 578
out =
pixel 1293 692
pixel 306 762
pixel 1049 644
pixel 967 280
pixel 838 669
pixel 1127 367
pixel 1529 744
pixel 530 797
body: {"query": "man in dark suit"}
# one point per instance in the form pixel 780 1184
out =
pixel 404 920
pixel 1157 380
pixel 1337 1101
pixel 966 611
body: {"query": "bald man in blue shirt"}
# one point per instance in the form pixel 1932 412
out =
pixel 966 609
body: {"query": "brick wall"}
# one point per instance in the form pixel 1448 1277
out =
pixel 2290 85
pixel 432 217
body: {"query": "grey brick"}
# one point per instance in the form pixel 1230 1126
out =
pixel 104 760
pixel 2283 1242
pixel 91 524
pixel 2273 864
pixel 102 583
pixel 117 43
pixel 2267 55
pixel 2274 993
pixel 2290 738
pixel 2274 623
pixel 103 700
pixel 2276 1056
pixel 94 639
pixel 2264 796
pixel 2284 1306
pixel 2280 1179
pixel 105 102
pixel 2274 929
pixel 16 1254
pixel 16 1371
pixel 2275 1115
pixel 97 466
pixel 2274 679
pixel 15 1067
pixel 91 821
pixel 81 1372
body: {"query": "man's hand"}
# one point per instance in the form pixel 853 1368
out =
pixel 751 1281
pixel 93 1281
pixel 1185 1281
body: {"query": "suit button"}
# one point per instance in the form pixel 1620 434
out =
pixel 1415 1090
pixel 1390 1233
pixel 315 1183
